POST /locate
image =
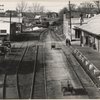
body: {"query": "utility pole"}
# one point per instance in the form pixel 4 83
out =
pixel 70 19
pixel 10 24
pixel 81 18
pixel 70 16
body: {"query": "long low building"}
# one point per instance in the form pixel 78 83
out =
pixel 89 33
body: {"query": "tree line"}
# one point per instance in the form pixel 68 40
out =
pixel 83 8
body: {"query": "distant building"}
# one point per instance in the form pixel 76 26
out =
pixel 13 13
pixel 1 8
pixel 52 15
pixel 2 14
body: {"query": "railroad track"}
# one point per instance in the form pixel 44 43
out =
pixel 34 74
pixel 42 40
pixel 35 78
pixel 12 82
pixel 39 85
pixel 19 69
pixel 71 64
pixel 7 79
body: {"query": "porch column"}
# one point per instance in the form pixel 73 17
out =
pixel 82 39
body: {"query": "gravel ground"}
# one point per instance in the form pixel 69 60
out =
pixel 52 70
pixel 92 90
pixel 56 73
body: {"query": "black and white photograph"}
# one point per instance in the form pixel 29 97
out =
pixel 49 49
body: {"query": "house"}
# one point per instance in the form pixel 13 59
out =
pixel 13 13
pixel 89 34
pixel 2 14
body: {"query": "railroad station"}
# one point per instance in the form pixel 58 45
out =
pixel 89 34
pixel 50 54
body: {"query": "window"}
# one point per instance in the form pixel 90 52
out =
pixel 3 31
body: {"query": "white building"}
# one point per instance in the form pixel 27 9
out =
pixel 4 28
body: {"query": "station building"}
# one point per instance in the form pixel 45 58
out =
pixel 89 34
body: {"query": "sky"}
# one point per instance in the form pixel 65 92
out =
pixel 49 5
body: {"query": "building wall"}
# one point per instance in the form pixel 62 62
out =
pixel 4 26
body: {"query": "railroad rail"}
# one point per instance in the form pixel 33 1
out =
pixel 7 73
pixel 39 56
pixel 18 68
pixel 34 74
pixel 45 81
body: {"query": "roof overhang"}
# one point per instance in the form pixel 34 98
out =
pixel 88 32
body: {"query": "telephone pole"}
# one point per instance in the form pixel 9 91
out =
pixel 70 15
pixel 10 24
pixel 70 23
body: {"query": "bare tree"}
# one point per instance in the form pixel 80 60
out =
pixel 36 8
pixel 97 3
pixel 86 7
pixel 73 7
pixel 21 7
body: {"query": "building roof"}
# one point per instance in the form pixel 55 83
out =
pixel 13 19
pixel 92 26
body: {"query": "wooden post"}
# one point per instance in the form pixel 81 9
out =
pixel 10 25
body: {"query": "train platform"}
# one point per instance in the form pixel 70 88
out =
pixel 57 73
pixel 92 55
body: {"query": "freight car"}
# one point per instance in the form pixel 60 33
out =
pixel 45 24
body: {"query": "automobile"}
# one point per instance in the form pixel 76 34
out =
pixel 5 47
pixel 7 43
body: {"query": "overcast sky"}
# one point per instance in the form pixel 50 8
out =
pixel 51 5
